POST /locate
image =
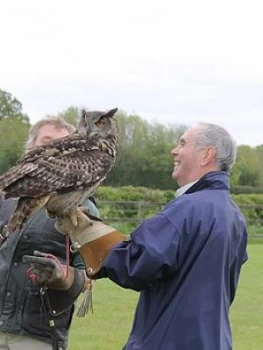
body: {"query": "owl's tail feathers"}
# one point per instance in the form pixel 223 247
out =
pixel 25 209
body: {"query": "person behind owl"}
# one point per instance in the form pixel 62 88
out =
pixel 184 261
pixel 37 300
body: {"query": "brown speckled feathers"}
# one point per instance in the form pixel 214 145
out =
pixel 64 172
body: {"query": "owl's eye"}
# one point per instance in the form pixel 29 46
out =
pixel 99 122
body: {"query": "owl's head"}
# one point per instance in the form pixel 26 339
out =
pixel 98 125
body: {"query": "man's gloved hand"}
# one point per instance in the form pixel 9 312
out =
pixel 88 227
pixel 47 270
pixel 91 236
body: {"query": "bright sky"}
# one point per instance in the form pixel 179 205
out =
pixel 169 61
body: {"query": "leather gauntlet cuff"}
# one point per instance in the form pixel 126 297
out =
pixel 60 300
pixel 96 251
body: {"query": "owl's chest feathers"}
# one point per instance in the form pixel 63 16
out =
pixel 86 182
pixel 61 204
pixel 109 147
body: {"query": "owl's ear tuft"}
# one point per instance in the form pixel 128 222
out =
pixel 83 113
pixel 111 112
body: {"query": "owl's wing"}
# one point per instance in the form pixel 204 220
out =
pixel 69 170
pixel 29 163
pixel 15 174
pixel 69 143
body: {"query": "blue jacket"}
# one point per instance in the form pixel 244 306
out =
pixel 186 263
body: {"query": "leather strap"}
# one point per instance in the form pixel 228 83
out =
pixel 95 252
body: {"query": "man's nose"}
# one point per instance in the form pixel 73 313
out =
pixel 174 151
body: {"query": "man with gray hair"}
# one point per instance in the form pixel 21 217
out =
pixel 184 261
pixel 37 299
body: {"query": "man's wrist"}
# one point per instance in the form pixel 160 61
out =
pixel 60 300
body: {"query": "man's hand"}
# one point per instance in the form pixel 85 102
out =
pixel 64 224
pixel 89 228
pixel 91 237
pixel 49 271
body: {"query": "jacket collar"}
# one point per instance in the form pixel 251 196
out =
pixel 182 190
pixel 218 180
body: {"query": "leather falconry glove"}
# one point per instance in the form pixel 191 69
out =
pixel 91 237
pixel 48 271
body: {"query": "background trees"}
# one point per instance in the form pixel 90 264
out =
pixel 11 107
pixel 14 126
pixel 144 153
pixel 144 148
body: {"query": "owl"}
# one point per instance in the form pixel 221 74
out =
pixel 63 173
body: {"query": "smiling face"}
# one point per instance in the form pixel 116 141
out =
pixel 191 164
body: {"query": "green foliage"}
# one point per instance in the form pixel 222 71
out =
pixel 143 157
pixel 71 115
pixel 131 203
pixel 14 126
pixel 13 134
pixel 259 153
pixel 130 193
pixel 246 171
pixel 252 207
pixel 125 207
pixel 246 189
pixel 11 107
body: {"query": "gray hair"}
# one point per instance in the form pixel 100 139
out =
pixel 58 122
pixel 216 136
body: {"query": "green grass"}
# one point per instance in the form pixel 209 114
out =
pixel 109 326
pixel 247 310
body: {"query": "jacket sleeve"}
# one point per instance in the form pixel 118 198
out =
pixel 59 300
pixel 151 254
pixel 90 204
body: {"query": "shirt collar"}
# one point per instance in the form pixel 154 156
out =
pixel 184 188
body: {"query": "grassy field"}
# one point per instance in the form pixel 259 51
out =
pixel 108 327
pixel 247 310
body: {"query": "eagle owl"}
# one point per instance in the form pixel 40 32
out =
pixel 63 173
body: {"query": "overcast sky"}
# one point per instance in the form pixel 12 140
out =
pixel 169 61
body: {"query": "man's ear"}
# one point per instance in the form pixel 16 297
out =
pixel 209 154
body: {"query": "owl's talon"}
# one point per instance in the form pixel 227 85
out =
pixel 74 219
pixel 85 210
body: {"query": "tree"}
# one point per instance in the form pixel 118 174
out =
pixel 71 114
pixel 143 157
pixel 246 171
pixel 259 153
pixel 14 127
pixel 11 107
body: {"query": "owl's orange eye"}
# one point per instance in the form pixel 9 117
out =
pixel 99 123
